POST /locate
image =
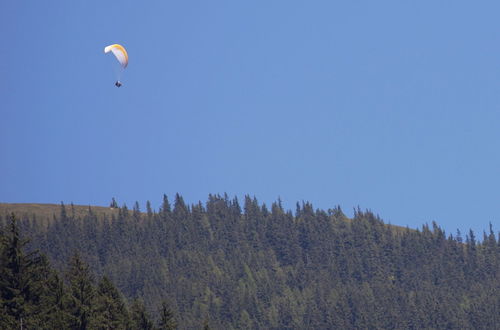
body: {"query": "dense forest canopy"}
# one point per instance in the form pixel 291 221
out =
pixel 246 266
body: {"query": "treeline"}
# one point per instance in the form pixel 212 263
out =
pixel 35 296
pixel 251 266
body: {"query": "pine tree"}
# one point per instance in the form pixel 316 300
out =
pixel 82 293
pixel 149 210
pixel 113 204
pixel 19 284
pixel 111 312
pixel 165 207
pixel 139 318
pixel 64 214
pixel 136 211
pixel 56 314
pixel 181 210
pixel 167 319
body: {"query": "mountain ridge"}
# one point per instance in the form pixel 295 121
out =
pixel 46 212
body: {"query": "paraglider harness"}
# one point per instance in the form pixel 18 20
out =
pixel 118 83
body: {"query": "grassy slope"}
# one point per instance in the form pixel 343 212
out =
pixel 46 212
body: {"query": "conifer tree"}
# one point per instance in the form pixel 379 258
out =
pixel 149 210
pixel 139 318
pixel 136 211
pixel 167 319
pixel 82 293
pixel 165 207
pixel 56 304
pixel 64 214
pixel 181 210
pixel 19 287
pixel 110 309
pixel 113 204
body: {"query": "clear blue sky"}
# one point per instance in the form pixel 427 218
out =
pixel 392 106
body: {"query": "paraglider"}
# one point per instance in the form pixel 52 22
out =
pixel 122 57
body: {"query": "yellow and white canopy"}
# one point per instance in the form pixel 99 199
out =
pixel 119 52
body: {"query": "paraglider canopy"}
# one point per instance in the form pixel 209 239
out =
pixel 119 52
pixel 122 57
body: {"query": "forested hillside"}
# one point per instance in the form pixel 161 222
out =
pixel 35 296
pixel 251 266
